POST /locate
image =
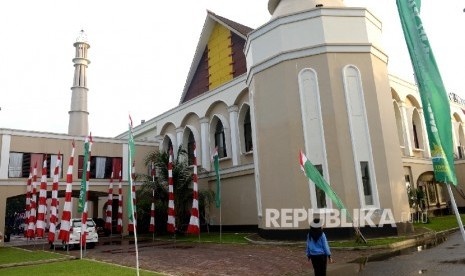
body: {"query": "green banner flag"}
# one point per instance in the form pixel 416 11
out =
pixel 132 151
pixel 83 190
pixel 313 174
pixel 216 164
pixel 436 108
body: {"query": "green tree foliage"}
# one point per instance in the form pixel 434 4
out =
pixel 182 184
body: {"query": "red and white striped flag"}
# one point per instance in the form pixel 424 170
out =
pixel 67 207
pixel 171 225
pixel 119 225
pixel 152 213
pixel 40 227
pixel 28 200
pixel 131 222
pixel 31 228
pixel 109 212
pixel 54 204
pixel 194 224
pixel 85 209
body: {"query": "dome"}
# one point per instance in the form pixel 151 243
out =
pixel 82 37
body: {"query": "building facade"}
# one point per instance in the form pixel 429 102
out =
pixel 315 78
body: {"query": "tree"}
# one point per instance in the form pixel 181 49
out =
pixel 182 184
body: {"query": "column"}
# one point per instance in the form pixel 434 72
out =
pixel 205 141
pixel 5 156
pixel 427 152
pixel 233 115
pixel 405 130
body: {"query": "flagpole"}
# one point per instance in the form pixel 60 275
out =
pixel 221 240
pixel 456 211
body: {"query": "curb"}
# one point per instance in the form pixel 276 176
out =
pixel 393 246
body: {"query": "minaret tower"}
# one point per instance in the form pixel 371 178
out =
pixel 78 115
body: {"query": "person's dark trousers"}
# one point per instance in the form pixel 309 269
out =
pixel 319 264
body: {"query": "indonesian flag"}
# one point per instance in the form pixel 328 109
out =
pixel 67 208
pixel 54 204
pixel 119 225
pixel 40 227
pixel 171 225
pixel 109 213
pixel 28 200
pixel 152 213
pixel 32 218
pixel 84 198
pixel 194 224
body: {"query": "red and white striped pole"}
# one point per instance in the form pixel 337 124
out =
pixel 119 225
pixel 54 204
pixel 31 228
pixel 40 227
pixel 67 207
pixel 28 201
pixel 194 225
pixel 152 207
pixel 171 226
pixel 109 212
pixel 152 214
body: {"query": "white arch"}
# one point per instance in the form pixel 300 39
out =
pixel 360 134
pixel 227 132
pixel 312 120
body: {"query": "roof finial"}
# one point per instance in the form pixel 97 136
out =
pixel 82 37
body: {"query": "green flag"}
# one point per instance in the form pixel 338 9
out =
pixel 216 164
pixel 131 154
pixel 436 108
pixel 313 174
pixel 83 190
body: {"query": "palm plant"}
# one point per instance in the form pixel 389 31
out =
pixel 182 187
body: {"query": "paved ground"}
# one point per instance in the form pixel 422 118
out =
pixel 217 259
pixel 448 258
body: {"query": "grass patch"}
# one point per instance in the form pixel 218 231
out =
pixel 371 242
pixel 75 267
pixel 440 223
pixel 238 238
pixel 9 255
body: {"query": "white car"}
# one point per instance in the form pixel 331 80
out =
pixel 75 232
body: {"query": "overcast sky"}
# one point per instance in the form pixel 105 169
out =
pixel 141 52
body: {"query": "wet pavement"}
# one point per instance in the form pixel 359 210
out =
pixel 447 258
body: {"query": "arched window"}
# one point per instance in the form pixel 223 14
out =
pixel 167 144
pixel 248 132
pixel 220 139
pixel 417 130
pixel 190 148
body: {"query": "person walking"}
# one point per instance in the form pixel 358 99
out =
pixel 318 248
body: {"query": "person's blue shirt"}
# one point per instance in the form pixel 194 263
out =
pixel 320 247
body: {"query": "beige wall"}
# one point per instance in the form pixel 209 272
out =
pixel 51 145
pixel 238 200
